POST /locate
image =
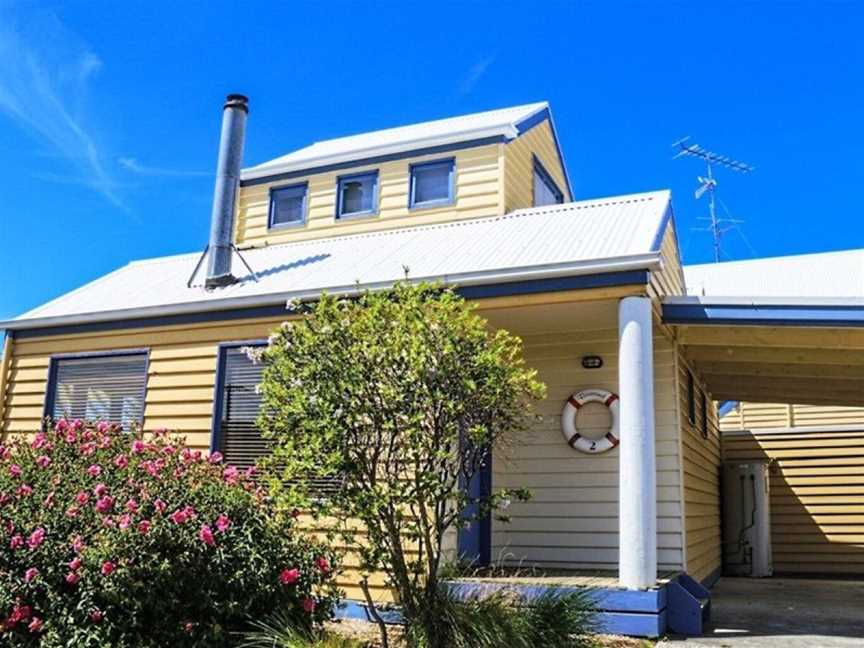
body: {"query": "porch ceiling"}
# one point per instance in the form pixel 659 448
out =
pixel 819 365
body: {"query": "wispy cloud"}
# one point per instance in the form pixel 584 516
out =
pixel 475 73
pixel 44 83
pixel 133 165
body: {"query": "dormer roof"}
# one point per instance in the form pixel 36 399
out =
pixel 501 125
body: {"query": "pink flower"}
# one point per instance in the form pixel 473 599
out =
pixel 24 490
pixel 231 475
pixel 160 505
pixel 72 511
pixel 19 613
pixel 30 574
pixel 100 489
pixel 87 449
pixel 108 568
pixel 206 536
pixel 138 446
pixel 82 497
pixel 222 523
pixel 289 576
pixel 309 605
pixel 96 616
pixel 15 470
pixel 132 506
pixel 43 461
pixel 16 542
pixel 75 564
pixel 35 625
pixel 215 458
pixel 121 461
pixel 125 521
pixel 48 502
pixel 39 441
pixel 182 515
pixel 94 471
pixel 104 504
pixel 36 538
pixel 323 565
pixel 72 578
pixel 61 425
pixel 188 627
pixel 102 427
pixel 144 527
pixel 77 544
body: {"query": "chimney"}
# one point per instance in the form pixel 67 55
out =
pixel 225 193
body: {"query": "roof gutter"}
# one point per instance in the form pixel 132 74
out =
pixel 764 311
pixel 645 262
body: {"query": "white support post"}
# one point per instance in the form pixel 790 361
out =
pixel 637 511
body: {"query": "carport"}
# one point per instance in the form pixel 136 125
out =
pixel 774 350
pixel 789 350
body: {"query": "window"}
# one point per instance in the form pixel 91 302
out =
pixel 237 405
pixel 357 195
pixel 703 401
pixel 98 387
pixel 236 409
pixel 432 183
pixel 546 192
pixel 288 206
pixel 691 399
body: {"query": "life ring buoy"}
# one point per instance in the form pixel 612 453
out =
pixel 568 421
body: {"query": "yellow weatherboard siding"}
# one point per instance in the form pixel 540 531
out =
pixel 571 520
pixel 817 495
pixel 700 459
pixel 817 480
pixel 519 166
pixel 476 188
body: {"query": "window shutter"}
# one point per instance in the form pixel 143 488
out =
pixel 240 441
pixel 100 388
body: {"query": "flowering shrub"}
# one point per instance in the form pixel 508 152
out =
pixel 110 539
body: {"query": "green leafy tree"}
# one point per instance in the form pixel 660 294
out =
pixel 395 400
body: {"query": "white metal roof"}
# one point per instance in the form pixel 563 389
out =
pixel 492 123
pixel 812 276
pixel 585 237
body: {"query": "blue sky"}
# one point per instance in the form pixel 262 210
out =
pixel 109 112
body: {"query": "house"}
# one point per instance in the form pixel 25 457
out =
pixel 625 464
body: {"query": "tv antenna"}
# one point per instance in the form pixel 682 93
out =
pixel 708 184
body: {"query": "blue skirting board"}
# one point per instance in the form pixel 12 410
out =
pixel 681 606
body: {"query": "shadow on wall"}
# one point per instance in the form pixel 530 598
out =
pixel 816 497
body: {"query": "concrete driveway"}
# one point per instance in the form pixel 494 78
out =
pixel 783 612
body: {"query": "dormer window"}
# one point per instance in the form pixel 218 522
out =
pixel 432 184
pixel 288 206
pixel 546 192
pixel 357 195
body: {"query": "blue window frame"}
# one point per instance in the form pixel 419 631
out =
pixel 357 195
pixel 432 184
pixel 108 386
pixel 546 192
pixel 287 206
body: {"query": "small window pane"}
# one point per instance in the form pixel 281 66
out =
pixel 100 388
pixel 357 195
pixel 546 191
pixel 431 183
pixel 288 206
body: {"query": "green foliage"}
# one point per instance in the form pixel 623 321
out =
pixel 501 619
pixel 400 396
pixel 279 630
pixel 108 539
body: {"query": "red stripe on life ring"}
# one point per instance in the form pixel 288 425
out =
pixel 575 403
pixel 612 439
pixel 610 399
pixel 574 440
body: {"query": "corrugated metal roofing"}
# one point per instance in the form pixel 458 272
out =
pixel 492 123
pixel 584 237
pixel 821 275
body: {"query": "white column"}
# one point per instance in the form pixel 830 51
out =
pixel 637 514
